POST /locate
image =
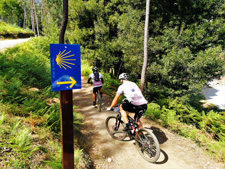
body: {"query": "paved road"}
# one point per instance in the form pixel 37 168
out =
pixel 215 93
pixel 11 43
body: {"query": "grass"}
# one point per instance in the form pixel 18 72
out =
pixel 20 146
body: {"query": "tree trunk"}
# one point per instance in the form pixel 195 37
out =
pixel 145 46
pixel 32 17
pixel 64 21
pixel 25 16
pixel 42 6
pixel 35 13
pixel 43 15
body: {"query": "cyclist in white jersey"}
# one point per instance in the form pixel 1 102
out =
pixel 136 103
pixel 97 81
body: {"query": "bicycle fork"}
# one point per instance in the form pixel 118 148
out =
pixel 135 129
pixel 117 124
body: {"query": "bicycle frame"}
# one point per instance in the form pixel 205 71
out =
pixel 134 124
pixel 145 141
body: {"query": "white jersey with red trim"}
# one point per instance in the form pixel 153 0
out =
pixel 132 93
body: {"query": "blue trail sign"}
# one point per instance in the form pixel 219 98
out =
pixel 65 67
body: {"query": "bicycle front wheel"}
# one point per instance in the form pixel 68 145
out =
pixel 115 128
pixel 147 145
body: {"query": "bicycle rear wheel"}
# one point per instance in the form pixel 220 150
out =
pixel 99 103
pixel 147 145
pixel 115 128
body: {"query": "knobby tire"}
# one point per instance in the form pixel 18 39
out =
pixel 115 130
pixel 99 102
pixel 147 145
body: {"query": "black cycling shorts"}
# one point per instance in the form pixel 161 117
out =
pixel 138 110
pixel 95 89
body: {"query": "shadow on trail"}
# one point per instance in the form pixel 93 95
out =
pixel 161 137
pixel 164 160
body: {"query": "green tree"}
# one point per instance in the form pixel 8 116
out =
pixel 11 11
pixel 111 34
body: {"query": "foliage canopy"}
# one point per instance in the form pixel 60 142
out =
pixel 186 40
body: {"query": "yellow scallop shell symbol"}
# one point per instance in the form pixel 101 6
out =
pixel 63 59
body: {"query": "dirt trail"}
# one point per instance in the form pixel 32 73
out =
pixel 176 152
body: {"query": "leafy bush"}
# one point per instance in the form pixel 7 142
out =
pixel 86 69
pixel 153 112
pixel 110 85
pixel 185 113
pixel 29 66
pixel 25 66
pixel 213 123
pixel 54 118
pixel 12 29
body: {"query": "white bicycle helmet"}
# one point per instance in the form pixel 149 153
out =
pixel 94 69
pixel 123 76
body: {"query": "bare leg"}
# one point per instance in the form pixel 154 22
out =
pixel 124 115
pixel 93 95
pixel 140 124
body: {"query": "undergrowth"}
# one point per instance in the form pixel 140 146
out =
pixel 30 118
pixel 7 29
pixel 110 85
pixel 206 128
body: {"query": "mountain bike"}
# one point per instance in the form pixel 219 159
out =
pixel 98 100
pixel 145 141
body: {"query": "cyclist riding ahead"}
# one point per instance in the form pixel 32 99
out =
pixel 98 81
pixel 136 101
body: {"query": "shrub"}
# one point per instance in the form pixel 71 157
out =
pixel 205 128
pixel 153 112
pixel 13 31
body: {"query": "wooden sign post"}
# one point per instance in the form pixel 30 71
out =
pixel 66 107
pixel 66 76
